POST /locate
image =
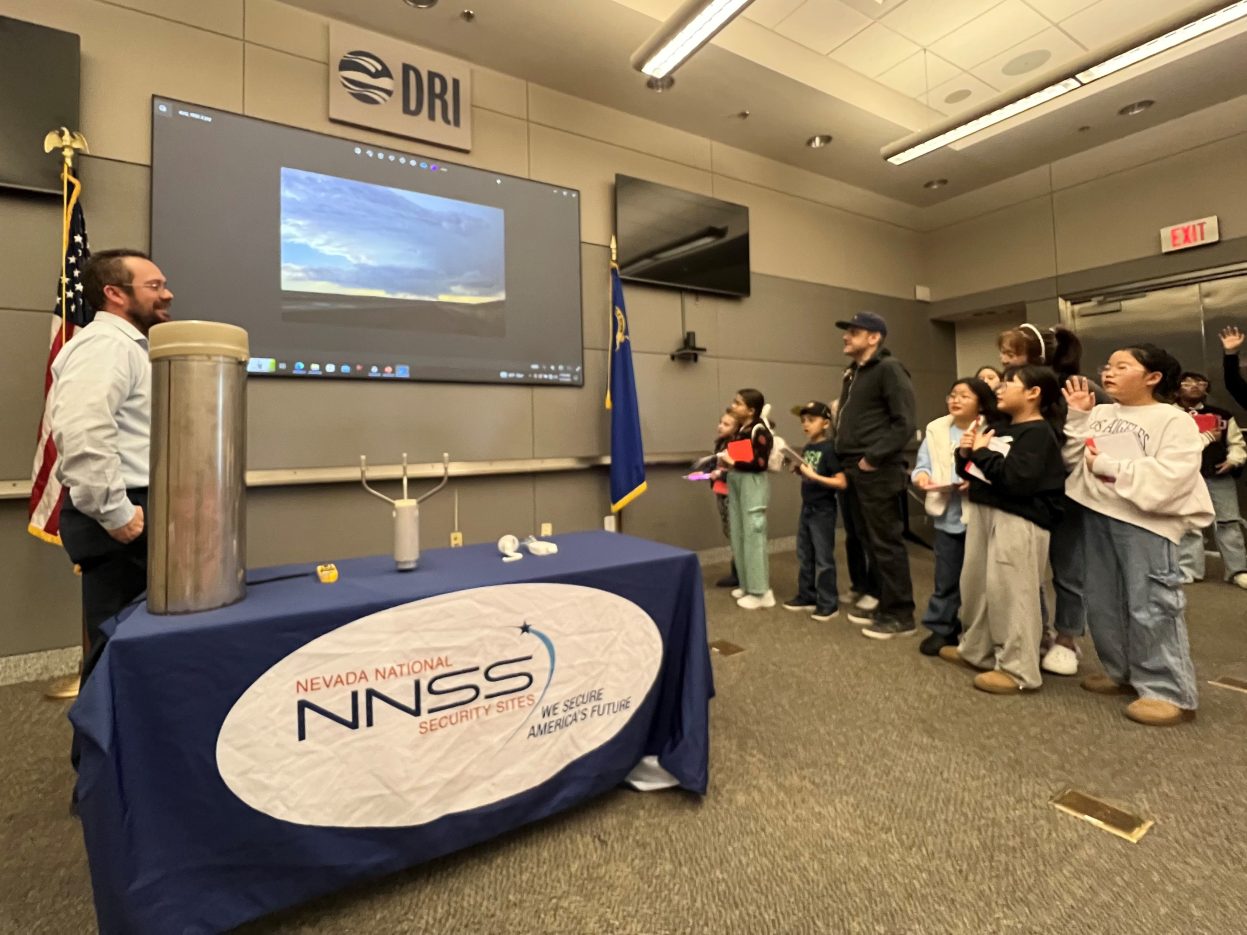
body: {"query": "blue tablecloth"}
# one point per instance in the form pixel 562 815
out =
pixel 172 848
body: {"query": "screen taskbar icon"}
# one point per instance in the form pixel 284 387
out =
pixel 304 368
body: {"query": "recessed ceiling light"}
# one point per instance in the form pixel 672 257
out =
pixel 956 97
pixel 1131 110
pixel 1084 128
pixel 819 141
pixel 421 4
pixel 743 115
pixel 1027 61
pixel 660 84
pixel 468 15
pixel 935 183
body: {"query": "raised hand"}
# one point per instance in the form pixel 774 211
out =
pixel 983 440
pixel 1078 393
pixel 1231 339
pixel 967 438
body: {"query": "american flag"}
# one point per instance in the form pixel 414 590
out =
pixel 72 313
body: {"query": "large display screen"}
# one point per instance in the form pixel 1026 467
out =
pixel 670 237
pixel 357 261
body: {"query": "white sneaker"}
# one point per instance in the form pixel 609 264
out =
pixel 867 603
pixel 738 593
pixel 1240 579
pixel 1060 660
pixel 756 601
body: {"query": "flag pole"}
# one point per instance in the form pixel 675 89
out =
pixel 70 143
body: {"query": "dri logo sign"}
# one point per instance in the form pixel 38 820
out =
pixel 398 88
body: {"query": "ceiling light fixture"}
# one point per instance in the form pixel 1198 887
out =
pixel 989 119
pixel 1133 110
pixel 658 85
pixel 421 4
pixel 685 31
pixel 819 141
pixel 1164 42
pixel 1054 84
pixel 935 183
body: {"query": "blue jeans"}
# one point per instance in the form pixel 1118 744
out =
pixel 943 614
pixel 1135 610
pixel 1227 530
pixel 1066 556
pixel 816 557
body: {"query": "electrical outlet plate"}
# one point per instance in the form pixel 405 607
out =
pixel 456 540
pixel 608 522
pixel 547 529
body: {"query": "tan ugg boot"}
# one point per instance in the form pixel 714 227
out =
pixel 1157 713
pixel 997 683
pixel 1101 684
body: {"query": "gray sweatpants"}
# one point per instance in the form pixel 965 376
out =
pixel 1004 564
pixel 1136 610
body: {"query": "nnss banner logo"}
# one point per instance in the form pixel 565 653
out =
pixel 399 88
pixel 439 706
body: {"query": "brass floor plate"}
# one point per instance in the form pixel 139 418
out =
pixel 724 648
pixel 1107 817
pixel 1228 681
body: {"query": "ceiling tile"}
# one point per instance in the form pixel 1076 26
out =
pixel 990 34
pixel 822 24
pixel 770 12
pixel 1057 10
pixel 918 73
pixel 979 93
pixel 924 21
pixel 874 50
pixel 1024 61
pixel 876 8
pixel 1111 20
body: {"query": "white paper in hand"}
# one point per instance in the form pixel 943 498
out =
pixel 1120 446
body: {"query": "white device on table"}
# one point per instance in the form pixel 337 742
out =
pixel 540 547
pixel 406 513
pixel 509 546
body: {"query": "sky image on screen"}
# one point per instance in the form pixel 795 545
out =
pixel 345 237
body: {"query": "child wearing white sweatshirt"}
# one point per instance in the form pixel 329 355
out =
pixel 1135 467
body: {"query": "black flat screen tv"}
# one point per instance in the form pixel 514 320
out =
pixel 345 259
pixel 670 237
pixel 39 69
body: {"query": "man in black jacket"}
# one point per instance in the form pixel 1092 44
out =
pixel 875 423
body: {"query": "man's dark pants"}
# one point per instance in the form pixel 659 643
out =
pixel 113 574
pixel 873 497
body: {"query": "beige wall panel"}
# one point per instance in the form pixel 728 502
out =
pixel 324 523
pixel 749 167
pixel 674 511
pixel 42 607
pixel 1119 217
pixel 976 340
pixel 299 423
pixel 24 338
pixel 570 422
pixel 30 263
pixel 571 502
pixel 116 198
pixel 784 386
pixel 585 118
pixel 294 91
pixel 595 295
pixel 590 166
pixel 127 57
pixel 1005 247
pixel 800 239
pixel 782 319
pixel 930 390
pixel 287 29
pixel 654 317
pixel 493 90
pixel 223 16
pixel 679 403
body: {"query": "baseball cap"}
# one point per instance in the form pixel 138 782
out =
pixel 867 321
pixel 812 408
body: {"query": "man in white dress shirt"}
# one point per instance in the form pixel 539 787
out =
pixel 100 413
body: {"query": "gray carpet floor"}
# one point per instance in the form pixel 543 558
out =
pixel 856 787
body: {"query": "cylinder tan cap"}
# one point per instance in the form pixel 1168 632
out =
pixel 197 339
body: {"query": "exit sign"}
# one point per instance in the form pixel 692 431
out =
pixel 1189 234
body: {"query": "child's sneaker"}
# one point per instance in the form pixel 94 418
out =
pixel 867 602
pixel 756 601
pixel 824 615
pixel 797 604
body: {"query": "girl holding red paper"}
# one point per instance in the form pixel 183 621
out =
pixel 726 431
pixel 749 492
pixel 1135 467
